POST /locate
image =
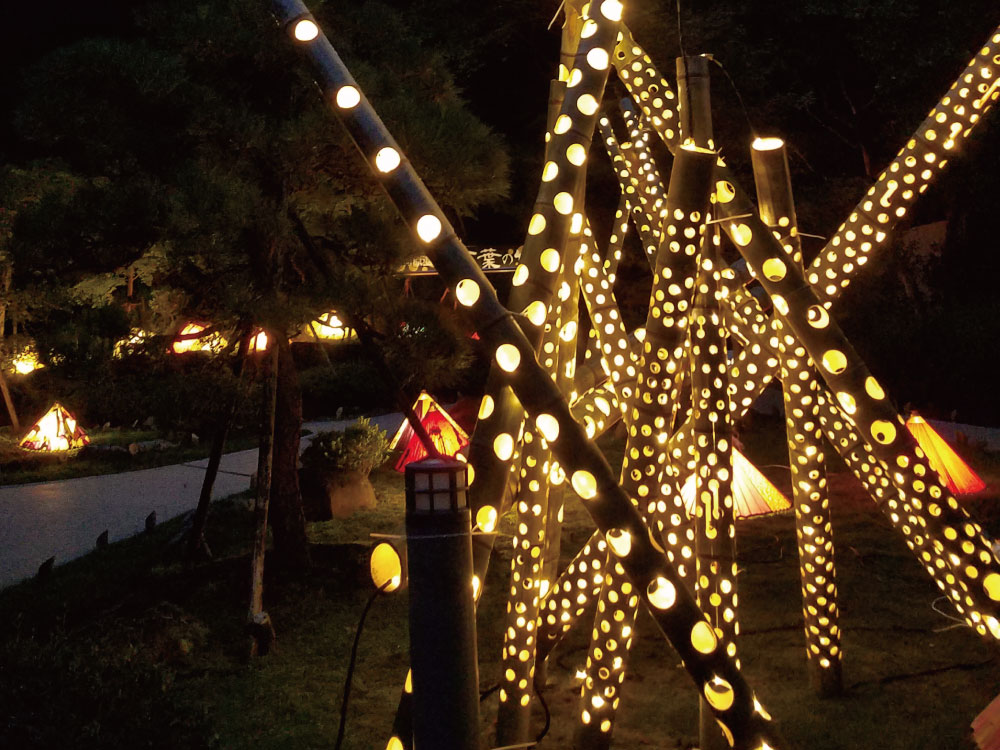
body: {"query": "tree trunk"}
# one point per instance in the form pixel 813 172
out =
pixel 288 520
pixel 14 423
pixel 196 539
pixel 258 621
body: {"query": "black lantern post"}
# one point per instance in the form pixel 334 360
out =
pixel 443 657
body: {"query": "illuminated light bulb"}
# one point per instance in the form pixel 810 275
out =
pixel 597 58
pixel 741 234
pixel 883 431
pixel 386 568
pixel 719 694
pixel 486 407
pixel 305 30
pixel 563 203
pixel 767 144
pixel 536 225
pixel 576 154
pixel 612 10
pixel 587 104
pixel 550 260
pixel 508 357
pixel 834 361
pixel 347 97
pixel 774 269
pixel 873 389
pixel 387 159
pixel 661 593
pixel 551 170
pixel 467 292
pixel 486 518
pixel 584 483
pixel 703 637
pixel 548 426
pixel 620 541
pixel 428 227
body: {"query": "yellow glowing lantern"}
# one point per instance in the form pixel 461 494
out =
pixel 330 327
pixel 25 362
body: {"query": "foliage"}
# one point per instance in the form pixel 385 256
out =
pixel 358 448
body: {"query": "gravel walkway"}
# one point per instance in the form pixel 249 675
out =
pixel 65 518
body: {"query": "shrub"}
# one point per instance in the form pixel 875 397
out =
pixel 361 447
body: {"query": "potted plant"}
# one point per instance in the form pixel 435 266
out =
pixel 335 469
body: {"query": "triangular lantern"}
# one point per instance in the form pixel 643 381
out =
pixel 446 434
pixel 953 470
pixel 753 493
pixel 57 430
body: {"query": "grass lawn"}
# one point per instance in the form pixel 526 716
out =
pixel 126 648
pixel 19 466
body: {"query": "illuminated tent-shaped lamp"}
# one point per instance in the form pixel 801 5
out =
pixel 329 327
pixel 212 343
pixel 953 470
pixel 56 431
pixel 446 434
pixel 753 493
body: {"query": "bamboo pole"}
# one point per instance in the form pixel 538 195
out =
pixel 687 205
pixel 806 459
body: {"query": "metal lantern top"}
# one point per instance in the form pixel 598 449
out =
pixel 435 485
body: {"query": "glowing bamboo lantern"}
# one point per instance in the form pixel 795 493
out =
pixel 813 528
pixel 653 577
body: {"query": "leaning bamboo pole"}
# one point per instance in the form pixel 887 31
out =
pixel 927 152
pixel 670 604
pixel 806 457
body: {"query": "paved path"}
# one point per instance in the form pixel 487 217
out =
pixel 65 518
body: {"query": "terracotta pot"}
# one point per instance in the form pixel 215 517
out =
pixel 328 495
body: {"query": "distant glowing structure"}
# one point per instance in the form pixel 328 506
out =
pixel 26 361
pixel 943 459
pixel 57 430
pixel 753 493
pixel 213 343
pixel 329 327
pixel 446 434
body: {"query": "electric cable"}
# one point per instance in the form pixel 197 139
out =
pixel 739 96
pixel 545 708
pixel 350 665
